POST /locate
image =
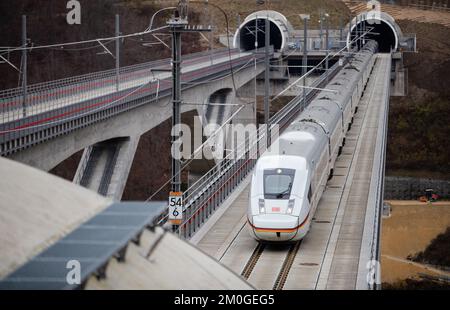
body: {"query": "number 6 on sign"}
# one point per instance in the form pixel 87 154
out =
pixel 176 207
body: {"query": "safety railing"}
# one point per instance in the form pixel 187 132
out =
pixel 434 7
pixel 369 261
pixel 316 43
pixel 47 121
pixel 379 176
pixel 217 184
pixel 52 122
pixel 51 95
pixel 17 92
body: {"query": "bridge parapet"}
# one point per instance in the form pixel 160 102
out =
pixel 369 273
pixel 95 100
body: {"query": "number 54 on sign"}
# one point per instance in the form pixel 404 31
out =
pixel 176 208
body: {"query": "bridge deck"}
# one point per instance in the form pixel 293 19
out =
pixel 86 91
pixel 329 256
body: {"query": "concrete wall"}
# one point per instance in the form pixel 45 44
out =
pixel 412 188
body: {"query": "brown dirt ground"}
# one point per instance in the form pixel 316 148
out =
pixel 409 229
pixel 47 24
pixel 400 12
pixel 290 8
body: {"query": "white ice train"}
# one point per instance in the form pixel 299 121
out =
pixel 287 184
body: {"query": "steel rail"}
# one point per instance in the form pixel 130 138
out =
pixel 253 260
pixel 286 267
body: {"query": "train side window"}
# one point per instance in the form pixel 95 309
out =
pixel 309 193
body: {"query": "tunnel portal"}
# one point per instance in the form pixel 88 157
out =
pixel 382 33
pixel 381 27
pixel 254 31
pixel 253 28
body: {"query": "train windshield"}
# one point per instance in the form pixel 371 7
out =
pixel 278 183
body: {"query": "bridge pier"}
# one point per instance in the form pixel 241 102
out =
pixel 104 166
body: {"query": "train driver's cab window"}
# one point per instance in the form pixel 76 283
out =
pixel 278 183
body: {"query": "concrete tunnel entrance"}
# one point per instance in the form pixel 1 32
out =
pixel 254 30
pixel 382 28
pixel 380 32
pixel 216 113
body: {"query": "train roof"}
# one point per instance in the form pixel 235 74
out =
pixel 271 161
pixel 323 112
pixel 307 136
pixel 304 139
pixel 341 97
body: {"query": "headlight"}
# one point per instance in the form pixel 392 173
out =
pixel 290 207
pixel 262 209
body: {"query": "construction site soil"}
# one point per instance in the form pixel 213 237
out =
pixel 415 242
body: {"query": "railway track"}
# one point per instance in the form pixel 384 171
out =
pixel 271 266
pixel 288 259
pixel 285 260
pixel 286 267
pixel 251 263
pixel 293 249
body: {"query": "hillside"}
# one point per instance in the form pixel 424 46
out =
pixel 289 8
pixel 437 252
pixel 419 123
pixel 46 24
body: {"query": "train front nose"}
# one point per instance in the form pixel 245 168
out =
pixel 276 227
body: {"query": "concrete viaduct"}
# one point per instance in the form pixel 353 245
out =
pixel 106 117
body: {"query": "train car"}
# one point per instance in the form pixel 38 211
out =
pixel 284 188
pixel 288 181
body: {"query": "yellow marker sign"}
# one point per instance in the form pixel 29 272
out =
pixel 176 208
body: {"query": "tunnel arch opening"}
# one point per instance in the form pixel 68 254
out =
pixel 383 30
pixel 382 33
pixel 254 31
pixel 215 108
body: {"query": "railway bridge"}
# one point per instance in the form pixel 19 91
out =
pixel 341 251
pixel 105 114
